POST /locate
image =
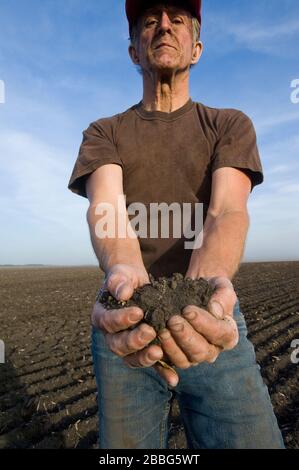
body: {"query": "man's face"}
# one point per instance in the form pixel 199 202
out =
pixel 165 39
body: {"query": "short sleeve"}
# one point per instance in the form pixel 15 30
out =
pixel 97 149
pixel 237 147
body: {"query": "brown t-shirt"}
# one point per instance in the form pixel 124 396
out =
pixel 168 157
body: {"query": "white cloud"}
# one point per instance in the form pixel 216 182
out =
pixel 41 220
pixel 254 33
pixel 273 39
pixel 278 170
pixel 267 123
pixel 274 207
pixel 289 188
pixel 36 176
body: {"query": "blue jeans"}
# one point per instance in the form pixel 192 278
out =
pixel 224 405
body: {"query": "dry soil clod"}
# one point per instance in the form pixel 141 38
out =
pixel 163 298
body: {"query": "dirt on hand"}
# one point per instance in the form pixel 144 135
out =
pixel 163 298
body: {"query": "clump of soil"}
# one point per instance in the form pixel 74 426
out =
pixel 163 298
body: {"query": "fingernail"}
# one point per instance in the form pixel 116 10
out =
pixel 152 356
pixel 164 334
pixel 189 314
pixel 118 290
pixel 177 326
pixel 217 310
pixel 172 382
pixel 146 335
pixel 135 316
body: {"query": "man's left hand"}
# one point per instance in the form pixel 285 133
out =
pixel 201 335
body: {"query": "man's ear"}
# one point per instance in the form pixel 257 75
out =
pixel 197 51
pixel 133 54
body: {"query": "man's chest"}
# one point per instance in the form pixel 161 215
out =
pixel 165 161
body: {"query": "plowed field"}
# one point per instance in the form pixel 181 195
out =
pixel 47 387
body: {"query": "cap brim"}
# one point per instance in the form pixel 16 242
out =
pixel 135 7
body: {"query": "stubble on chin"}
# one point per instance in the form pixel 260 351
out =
pixel 164 60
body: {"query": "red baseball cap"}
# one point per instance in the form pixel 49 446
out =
pixel 134 8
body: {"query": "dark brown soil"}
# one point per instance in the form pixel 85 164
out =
pixel 163 298
pixel 47 387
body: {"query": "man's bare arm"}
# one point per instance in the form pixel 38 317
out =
pixel 225 228
pixel 105 185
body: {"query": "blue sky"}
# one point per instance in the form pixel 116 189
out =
pixel 65 64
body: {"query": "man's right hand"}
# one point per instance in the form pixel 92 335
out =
pixel 132 344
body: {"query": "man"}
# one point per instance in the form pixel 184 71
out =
pixel 169 149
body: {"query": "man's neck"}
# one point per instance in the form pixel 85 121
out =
pixel 166 95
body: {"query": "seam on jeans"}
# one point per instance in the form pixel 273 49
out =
pixel 164 425
pixel 190 436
